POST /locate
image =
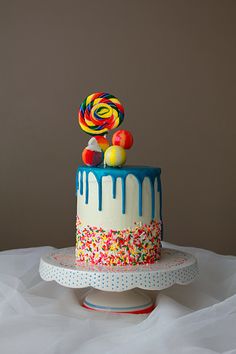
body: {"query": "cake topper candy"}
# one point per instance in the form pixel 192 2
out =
pixel 102 142
pixel 115 156
pixel 123 138
pixel 99 113
pixel 92 155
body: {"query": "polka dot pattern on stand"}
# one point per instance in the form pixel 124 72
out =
pixel 175 267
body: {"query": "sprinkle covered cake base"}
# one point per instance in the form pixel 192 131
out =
pixel 138 245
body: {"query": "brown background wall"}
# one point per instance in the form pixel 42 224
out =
pixel 172 65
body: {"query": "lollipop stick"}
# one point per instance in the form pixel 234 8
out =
pixel 104 163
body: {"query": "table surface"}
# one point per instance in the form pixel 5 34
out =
pixel 44 317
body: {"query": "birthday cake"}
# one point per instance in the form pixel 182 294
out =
pixel 119 217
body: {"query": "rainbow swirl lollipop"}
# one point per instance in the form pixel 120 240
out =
pixel 99 113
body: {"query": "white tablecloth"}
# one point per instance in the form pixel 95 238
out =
pixel 44 317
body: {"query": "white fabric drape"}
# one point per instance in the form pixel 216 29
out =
pixel 44 317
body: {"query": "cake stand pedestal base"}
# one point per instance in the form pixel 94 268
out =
pixel 130 301
pixel 116 289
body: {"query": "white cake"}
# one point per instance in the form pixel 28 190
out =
pixel 118 215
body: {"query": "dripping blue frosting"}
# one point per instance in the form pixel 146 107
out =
pixel 140 172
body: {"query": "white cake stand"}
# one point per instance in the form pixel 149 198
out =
pixel 114 287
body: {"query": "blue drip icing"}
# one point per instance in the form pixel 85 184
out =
pixel 77 182
pixel 140 172
pixel 123 186
pixel 100 195
pixel 152 181
pixel 99 182
pixel 86 189
pixel 140 197
pixel 113 187
pixel 81 188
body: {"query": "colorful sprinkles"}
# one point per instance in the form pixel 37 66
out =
pixel 131 246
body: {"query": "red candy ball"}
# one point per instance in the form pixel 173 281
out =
pixel 91 157
pixel 123 138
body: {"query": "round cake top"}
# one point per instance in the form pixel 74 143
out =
pixel 138 171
